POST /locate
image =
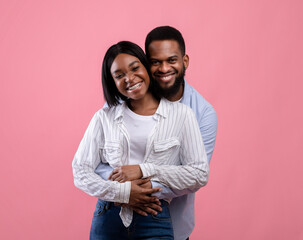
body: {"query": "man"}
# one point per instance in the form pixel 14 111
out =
pixel 165 49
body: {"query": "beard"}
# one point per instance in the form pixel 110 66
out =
pixel 172 90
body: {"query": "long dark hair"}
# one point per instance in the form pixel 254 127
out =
pixel 111 94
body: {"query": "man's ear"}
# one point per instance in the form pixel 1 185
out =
pixel 186 61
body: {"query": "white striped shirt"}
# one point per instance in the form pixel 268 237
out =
pixel 175 154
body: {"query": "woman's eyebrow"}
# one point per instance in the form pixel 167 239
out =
pixel 133 63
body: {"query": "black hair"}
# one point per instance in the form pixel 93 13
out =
pixel 111 94
pixel 165 33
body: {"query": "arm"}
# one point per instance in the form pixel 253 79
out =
pixel 208 128
pixel 193 173
pixel 86 160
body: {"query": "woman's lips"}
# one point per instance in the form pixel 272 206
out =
pixel 133 87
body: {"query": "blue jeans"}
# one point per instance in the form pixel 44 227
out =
pixel 107 224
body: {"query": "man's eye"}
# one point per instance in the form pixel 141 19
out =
pixel 154 62
pixel 172 60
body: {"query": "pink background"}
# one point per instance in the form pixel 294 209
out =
pixel 245 58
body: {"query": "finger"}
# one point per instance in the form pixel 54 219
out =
pixel 121 180
pixel 115 177
pixel 153 206
pixel 152 190
pixel 149 210
pixel 112 173
pixel 140 211
pixel 149 199
pixel 141 181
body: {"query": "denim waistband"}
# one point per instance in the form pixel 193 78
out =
pixel 108 205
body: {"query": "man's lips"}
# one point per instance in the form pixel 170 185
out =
pixel 166 77
pixel 135 86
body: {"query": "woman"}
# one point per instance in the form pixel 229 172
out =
pixel 155 137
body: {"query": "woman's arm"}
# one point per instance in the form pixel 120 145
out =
pixel 87 159
pixel 85 162
pixel 193 173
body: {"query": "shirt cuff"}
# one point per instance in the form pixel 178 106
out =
pixel 123 192
pixel 148 169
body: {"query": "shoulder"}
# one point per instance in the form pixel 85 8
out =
pixel 198 103
pixel 106 112
pixel 177 109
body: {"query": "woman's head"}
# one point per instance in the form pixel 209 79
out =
pixel 124 65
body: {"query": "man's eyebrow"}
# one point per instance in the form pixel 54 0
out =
pixel 174 56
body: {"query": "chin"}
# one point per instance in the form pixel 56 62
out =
pixel 166 84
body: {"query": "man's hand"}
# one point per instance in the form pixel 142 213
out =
pixel 151 208
pixel 140 195
pixel 126 173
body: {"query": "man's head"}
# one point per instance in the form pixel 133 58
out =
pixel 165 49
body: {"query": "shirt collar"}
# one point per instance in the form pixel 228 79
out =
pixel 187 91
pixel 162 110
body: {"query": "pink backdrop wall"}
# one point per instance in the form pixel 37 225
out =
pixel 245 58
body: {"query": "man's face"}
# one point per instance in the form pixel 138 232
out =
pixel 167 65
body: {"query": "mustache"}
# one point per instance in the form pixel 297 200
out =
pixel 164 73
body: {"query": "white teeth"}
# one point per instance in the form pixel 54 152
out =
pixel 166 77
pixel 135 86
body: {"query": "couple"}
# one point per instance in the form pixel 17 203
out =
pixel 152 143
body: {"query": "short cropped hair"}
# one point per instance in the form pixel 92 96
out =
pixel 111 94
pixel 164 33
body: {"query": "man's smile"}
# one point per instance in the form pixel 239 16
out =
pixel 165 77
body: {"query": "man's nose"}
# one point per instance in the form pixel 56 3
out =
pixel 164 67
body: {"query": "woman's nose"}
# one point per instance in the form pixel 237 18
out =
pixel 129 77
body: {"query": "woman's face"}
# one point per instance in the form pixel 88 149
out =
pixel 130 76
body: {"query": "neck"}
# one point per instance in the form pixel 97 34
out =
pixel 178 95
pixel 146 106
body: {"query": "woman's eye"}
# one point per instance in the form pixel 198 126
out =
pixel 118 76
pixel 135 68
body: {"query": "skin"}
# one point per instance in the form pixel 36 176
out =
pixel 132 80
pixel 166 64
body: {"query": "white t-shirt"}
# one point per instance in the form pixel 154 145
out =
pixel 139 128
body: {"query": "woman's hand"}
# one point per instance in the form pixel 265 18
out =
pixel 126 173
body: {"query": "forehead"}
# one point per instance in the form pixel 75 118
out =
pixel 123 61
pixel 164 49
